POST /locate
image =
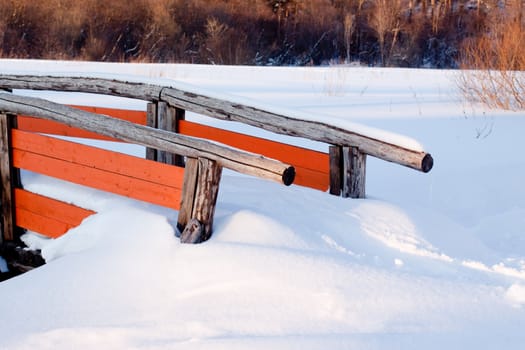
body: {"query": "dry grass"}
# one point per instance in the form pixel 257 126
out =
pixel 235 31
pixel 499 59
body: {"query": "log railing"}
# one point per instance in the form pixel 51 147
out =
pixel 311 167
pixel 227 157
pixel 197 189
pixel 349 148
pixel 346 160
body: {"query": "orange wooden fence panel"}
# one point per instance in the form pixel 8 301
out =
pixel 49 217
pixel 109 171
pixel 122 174
pixel 312 168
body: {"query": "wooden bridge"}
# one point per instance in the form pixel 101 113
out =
pixel 184 160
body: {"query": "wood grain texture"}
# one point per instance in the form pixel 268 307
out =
pixel 206 194
pixel 292 126
pixel 93 157
pixel 229 110
pixel 189 187
pixel 192 233
pixel 7 205
pixel 311 167
pixel 151 121
pixel 133 116
pixel 354 173
pixel 166 120
pixel 336 170
pixel 109 171
pixel 39 125
pixel 122 88
pixel 47 216
pixel 201 189
pixel 180 115
pixel 228 157
pixel 43 225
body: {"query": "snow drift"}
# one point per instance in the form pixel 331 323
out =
pixel 426 261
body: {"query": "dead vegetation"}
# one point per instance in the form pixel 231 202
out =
pixel 497 60
pixel 278 32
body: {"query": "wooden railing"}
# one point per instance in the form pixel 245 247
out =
pixel 163 129
pixel 192 190
pixel 311 167
pixel 348 149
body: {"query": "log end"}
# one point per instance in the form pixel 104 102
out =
pixel 427 163
pixel 288 176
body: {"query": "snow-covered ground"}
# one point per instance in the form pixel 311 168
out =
pixel 427 261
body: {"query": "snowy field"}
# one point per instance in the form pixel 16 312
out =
pixel 427 261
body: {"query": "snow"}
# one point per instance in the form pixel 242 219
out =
pixel 433 261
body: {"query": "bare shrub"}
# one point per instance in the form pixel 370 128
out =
pixel 215 34
pixel 297 32
pixel 23 21
pixel 386 23
pixel 349 28
pixel 499 59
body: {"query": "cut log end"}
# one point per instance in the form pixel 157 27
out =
pixel 427 163
pixel 289 176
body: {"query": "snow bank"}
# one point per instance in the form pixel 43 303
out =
pixel 427 261
pixel 516 294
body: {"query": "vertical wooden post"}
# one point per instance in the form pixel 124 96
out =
pixel 347 172
pixel 189 186
pixel 162 116
pixel 354 173
pixel 8 177
pixel 151 121
pixel 180 114
pixel 199 197
pixel 206 194
pixel 336 170
pixel 164 122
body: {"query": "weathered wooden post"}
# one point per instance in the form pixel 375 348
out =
pixel 199 192
pixel 162 116
pixel 347 172
pixel 199 197
pixel 354 173
pixel 151 121
pixel 8 176
pixel 336 170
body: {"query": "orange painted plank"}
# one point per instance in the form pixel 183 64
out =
pixel 312 179
pixel 137 117
pixel 302 157
pixel 62 211
pixel 92 177
pixel 110 182
pixel 312 167
pixel 45 226
pixel 102 159
pixel 118 173
pixel 33 124
pixel 45 215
